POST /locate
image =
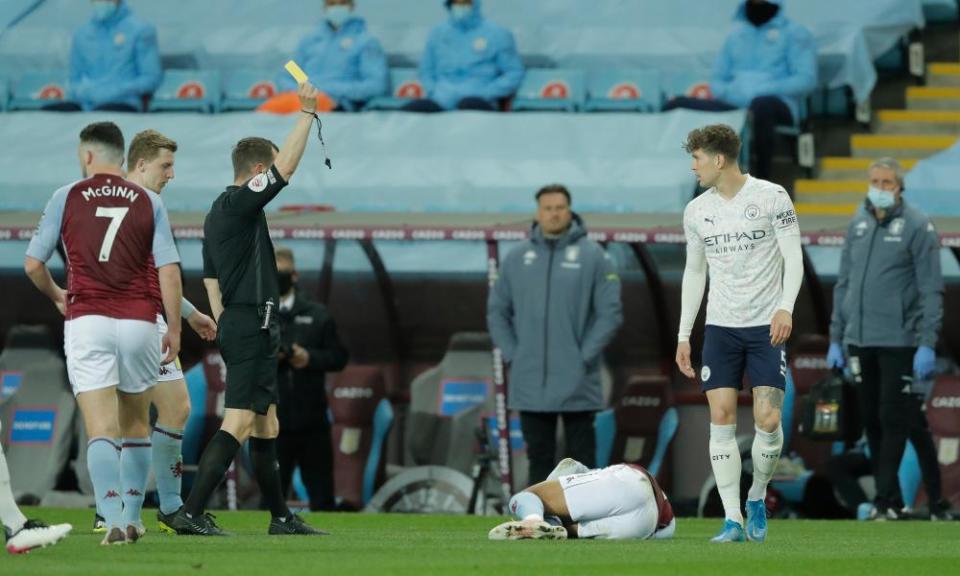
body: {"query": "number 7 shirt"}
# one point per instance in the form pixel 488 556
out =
pixel 114 233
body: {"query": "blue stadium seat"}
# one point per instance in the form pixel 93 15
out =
pixel 605 430
pixel 550 89
pixel 34 90
pixel 686 82
pixel 246 89
pixel 623 90
pixel 404 87
pixel 193 433
pixel 184 90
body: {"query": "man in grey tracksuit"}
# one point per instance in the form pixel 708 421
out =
pixel 887 311
pixel 553 309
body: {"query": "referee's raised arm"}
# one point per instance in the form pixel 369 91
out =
pixel 288 158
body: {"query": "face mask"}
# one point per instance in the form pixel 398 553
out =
pixel 460 12
pixel 881 199
pixel 284 282
pixel 760 13
pixel 103 10
pixel 338 15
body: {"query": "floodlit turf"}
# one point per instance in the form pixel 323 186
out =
pixel 427 545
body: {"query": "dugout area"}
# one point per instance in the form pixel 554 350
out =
pixel 399 319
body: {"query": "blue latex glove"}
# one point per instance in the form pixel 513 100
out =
pixel 924 362
pixel 835 357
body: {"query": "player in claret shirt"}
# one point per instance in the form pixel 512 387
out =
pixel 114 233
pixel 622 501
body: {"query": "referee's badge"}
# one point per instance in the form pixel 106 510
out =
pixel 258 183
pixel 705 373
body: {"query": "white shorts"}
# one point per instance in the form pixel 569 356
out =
pixel 616 502
pixel 172 371
pixel 103 352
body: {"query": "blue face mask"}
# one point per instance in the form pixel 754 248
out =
pixel 881 199
pixel 103 10
pixel 338 14
pixel 460 12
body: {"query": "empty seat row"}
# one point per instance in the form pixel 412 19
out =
pixel 554 89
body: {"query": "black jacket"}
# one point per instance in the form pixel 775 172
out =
pixel 303 396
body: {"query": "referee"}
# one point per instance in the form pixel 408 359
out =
pixel 240 275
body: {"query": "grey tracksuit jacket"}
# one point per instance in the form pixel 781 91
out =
pixel 889 290
pixel 553 309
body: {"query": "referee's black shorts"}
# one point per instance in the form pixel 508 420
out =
pixel 250 355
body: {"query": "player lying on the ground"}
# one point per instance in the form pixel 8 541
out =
pixel 23 535
pixel 617 502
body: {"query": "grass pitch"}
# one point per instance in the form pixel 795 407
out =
pixel 426 545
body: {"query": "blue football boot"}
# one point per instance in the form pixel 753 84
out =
pixel 731 532
pixel 756 520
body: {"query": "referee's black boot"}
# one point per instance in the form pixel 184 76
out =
pixel 201 525
pixel 293 525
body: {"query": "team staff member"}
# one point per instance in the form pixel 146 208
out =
pixel 240 275
pixel 887 311
pixel 553 310
pixel 309 348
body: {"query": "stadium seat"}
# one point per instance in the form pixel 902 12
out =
pixel 623 90
pixel 246 89
pixel 404 87
pixel 943 412
pixel 554 89
pixel 38 416
pixel 447 402
pixel 689 83
pixel 34 90
pixel 186 90
pixel 361 417
pixel 646 423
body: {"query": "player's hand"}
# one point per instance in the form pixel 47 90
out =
pixel 683 360
pixel 60 301
pixel 203 325
pixel 780 327
pixel 300 357
pixel 308 97
pixel 170 346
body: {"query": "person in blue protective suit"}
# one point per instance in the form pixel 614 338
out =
pixel 469 63
pixel 768 64
pixel 342 58
pixel 114 61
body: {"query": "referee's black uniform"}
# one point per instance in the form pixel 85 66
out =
pixel 238 252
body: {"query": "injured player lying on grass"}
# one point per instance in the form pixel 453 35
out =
pixel 617 502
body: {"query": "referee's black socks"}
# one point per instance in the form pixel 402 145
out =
pixel 214 463
pixel 263 456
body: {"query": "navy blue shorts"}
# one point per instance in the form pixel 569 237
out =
pixel 729 353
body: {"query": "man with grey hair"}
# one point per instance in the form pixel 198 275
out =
pixel 887 313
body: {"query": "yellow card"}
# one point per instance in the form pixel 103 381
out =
pixel 296 72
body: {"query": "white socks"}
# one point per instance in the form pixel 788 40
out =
pixel 9 512
pixel 725 460
pixel 766 454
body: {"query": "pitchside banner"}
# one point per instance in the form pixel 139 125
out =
pixel 500 390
